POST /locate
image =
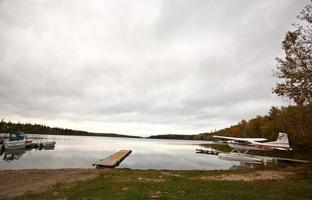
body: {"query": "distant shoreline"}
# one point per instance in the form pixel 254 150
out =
pixel 83 134
pixel 8 127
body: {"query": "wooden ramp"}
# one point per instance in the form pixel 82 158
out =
pixel 113 160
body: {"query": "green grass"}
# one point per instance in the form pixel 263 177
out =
pixel 121 184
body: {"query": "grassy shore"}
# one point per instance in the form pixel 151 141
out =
pixel 122 184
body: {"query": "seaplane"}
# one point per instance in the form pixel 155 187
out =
pixel 281 143
pixel 241 146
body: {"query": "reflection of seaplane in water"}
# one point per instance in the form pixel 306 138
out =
pixel 241 146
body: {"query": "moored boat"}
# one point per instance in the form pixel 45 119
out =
pixel 16 140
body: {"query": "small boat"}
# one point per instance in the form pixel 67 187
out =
pixel 16 140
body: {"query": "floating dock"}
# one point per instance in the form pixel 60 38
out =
pixel 288 160
pixel 113 160
pixel 208 151
pixel 40 144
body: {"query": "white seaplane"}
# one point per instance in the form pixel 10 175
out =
pixel 242 145
pixel 247 144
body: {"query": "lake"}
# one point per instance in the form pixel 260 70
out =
pixel 83 151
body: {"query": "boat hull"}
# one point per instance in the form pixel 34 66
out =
pixel 21 144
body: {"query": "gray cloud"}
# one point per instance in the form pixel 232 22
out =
pixel 140 66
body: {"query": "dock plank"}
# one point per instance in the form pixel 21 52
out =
pixel 113 160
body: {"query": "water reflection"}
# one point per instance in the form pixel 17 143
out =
pixel 83 151
pixel 13 154
pixel 16 154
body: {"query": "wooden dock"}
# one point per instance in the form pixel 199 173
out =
pixel 208 151
pixel 288 160
pixel 113 160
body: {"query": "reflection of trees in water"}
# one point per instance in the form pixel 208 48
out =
pixel 11 155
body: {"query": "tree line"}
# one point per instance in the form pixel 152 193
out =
pixel 296 121
pixel 7 127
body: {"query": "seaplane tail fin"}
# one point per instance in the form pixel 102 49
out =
pixel 282 138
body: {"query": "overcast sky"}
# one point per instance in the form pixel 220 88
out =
pixel 140 67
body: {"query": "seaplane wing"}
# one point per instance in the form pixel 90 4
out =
pixel 241 139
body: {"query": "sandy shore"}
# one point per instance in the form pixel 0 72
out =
pixel 18 182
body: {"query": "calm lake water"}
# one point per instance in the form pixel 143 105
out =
pixel 83 151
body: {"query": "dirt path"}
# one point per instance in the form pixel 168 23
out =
pixel 17 182
pixel 252 176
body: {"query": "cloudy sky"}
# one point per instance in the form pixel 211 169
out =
pixel 140 67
